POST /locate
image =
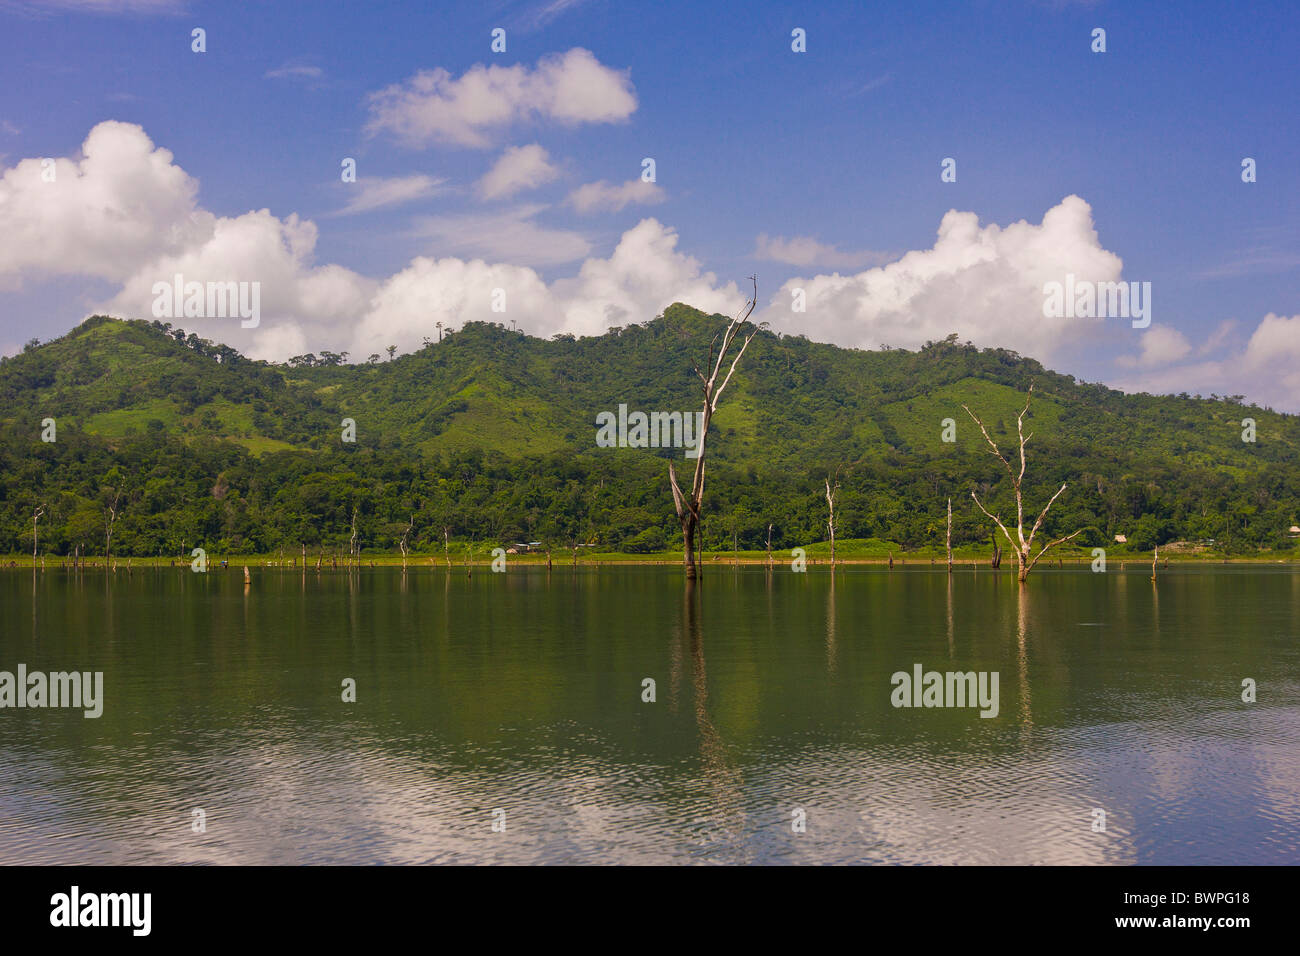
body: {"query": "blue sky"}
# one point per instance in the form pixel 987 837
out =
pixel 818 171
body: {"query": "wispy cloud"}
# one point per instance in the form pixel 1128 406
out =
pixel 302 72
pixel 378 192
pixel 510 236
pixel 1218 337
pixel 1253 262
pixel 105 7
pixel 543 13
pixel 519 168
pixel 604 196
pixel 805 251
pixel 870 85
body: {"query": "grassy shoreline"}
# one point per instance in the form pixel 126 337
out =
pixel 816 558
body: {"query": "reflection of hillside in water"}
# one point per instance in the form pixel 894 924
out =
pixel 523 692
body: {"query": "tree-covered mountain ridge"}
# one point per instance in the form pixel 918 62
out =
pixel 167 440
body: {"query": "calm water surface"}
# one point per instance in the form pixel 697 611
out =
pixel 523 692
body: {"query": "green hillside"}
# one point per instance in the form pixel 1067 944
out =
pixel 491 435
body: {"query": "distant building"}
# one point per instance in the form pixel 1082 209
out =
pixel 1122 539
pixel 1295 531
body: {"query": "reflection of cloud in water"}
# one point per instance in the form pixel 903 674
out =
pixel 901 805
pixel 576 794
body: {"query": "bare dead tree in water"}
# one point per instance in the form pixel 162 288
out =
pixel 948 538
pixel 409 525
pixel 110 519
pixel 352 542
pixel 1025 559
pixel 36 516
pixel 688 504
pixel 830 506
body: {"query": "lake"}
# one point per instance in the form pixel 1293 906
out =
pixel 500 718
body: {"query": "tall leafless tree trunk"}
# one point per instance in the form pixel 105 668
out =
pixel 769 545
pixel 948 538
pixel 36 516
pixel 830 520
pixel 110 519
pixel 1025 559
pixel 352 541
pixel 688 504
pixel 409 525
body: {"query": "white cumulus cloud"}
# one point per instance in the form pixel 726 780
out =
pixel 433 106
pixel 1160 345
pixel 644 274
pixel 120 201
pixel 983 282
pixel 453 291
pixel 121 210
pixel 302 305
pixel 1266 369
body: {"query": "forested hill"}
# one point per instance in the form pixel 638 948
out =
pixel 493 434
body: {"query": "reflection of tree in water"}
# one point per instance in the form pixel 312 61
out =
pixel 950 642
pixel 354 608
pixel 675 668
pixel 1022 656
pixel 1155 610
pixel 830 627
pixel 724 781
